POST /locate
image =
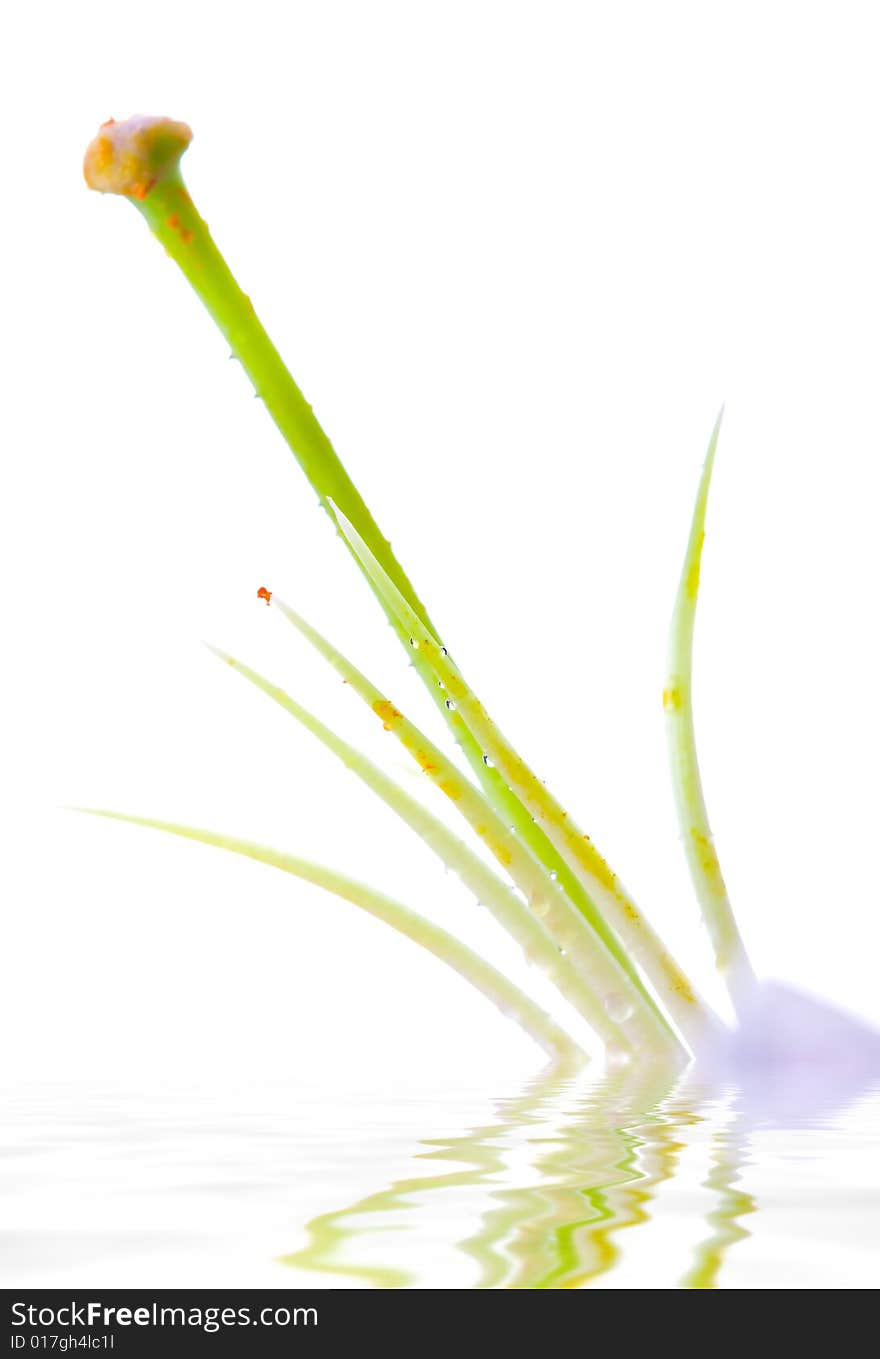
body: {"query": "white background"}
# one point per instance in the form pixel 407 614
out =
pixel 517 255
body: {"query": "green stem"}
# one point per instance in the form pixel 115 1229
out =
pixel 507 908
pixel 506 997
pixel 693 819
pixel 694 1017
pixel 140 159
pixel 175 222
pixel 643 1025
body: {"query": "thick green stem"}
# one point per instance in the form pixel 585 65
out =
pixel 694 1017
pixel 172 217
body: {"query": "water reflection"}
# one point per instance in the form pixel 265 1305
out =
pixel 564 1172
pixel 724 1221
pixel 631 1180
pixel 598 1169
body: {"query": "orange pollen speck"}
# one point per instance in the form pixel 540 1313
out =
pixel 263 593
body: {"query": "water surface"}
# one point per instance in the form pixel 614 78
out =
pixel 563 1182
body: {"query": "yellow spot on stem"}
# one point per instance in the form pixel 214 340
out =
pixel 692 580
pixel 388 713
pixel 708 859
pixel 455 686
pixel 593 860
pixel 679 983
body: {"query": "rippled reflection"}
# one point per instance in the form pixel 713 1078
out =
pixel 631 1180
pixel 732 1205
pixel 566 1173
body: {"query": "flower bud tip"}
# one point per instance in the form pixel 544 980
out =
pixel 129 157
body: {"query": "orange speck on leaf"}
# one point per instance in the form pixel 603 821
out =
pixel 263 593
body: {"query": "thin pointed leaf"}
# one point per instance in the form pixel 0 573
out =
pixel 488 980
pixel 693 818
